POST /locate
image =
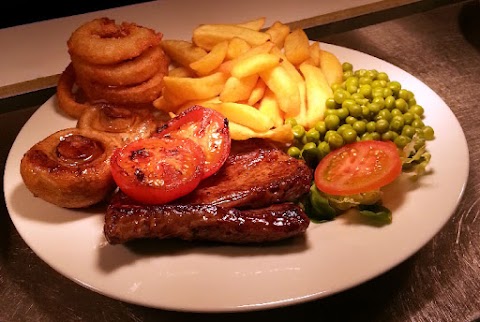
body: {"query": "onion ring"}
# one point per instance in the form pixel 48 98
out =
pixel 122 123
pixel 66 98
pixel 102 41
pixel 145 92
pixel 70 168
pixel 129 72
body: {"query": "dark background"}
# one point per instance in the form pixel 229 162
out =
pixel 18 12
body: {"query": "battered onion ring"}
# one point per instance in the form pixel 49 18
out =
pixel 102 41
pixel 122 123
pixel 145 92
pixel 66 98
pixel 129 72
pixel 70 168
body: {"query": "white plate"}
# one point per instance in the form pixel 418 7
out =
pixel 180 276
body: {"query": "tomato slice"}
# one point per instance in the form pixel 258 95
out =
pixel 206 127
pixel 358 167
pixel 157 171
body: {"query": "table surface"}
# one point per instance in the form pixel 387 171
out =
pixel 441 282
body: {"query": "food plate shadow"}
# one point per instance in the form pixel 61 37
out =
pixel 112 257
pixel 49 213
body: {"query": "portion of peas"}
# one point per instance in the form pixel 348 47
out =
pixel 367 105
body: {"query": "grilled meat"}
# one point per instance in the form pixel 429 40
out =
pixel 256 174
pixel 128 221
pixel 249 200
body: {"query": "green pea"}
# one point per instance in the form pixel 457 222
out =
pixel 346 66
pixel 351 89
pixel 390 102
pixel 298 131
pixel 408 118
pixel 336 86
pixel 376 83
pixel 376 136
pixel 335 141
pixel 324 148
pixel 332 121
pixel 360 72
pixel 379 100
pixel 382 76
pixel 401 104
pixel 312 135
pixel 401 141
pixel 411 102
pixel 340 95
pixel 348 102
pixel 371 126
pixel 387 92
pixel 395 87
pixel 350 120
pixel 293 151
pixel 396 123
pixel 366 113
pixel 428 132
pixel 403 93
pixel 418 123
pixel 349 135
pixel 352 81
pixel 396 112
pixel 384 114
pixel 366 136
pixel 356 96
pixel 382 126
pixel 291 121
pixel 342 113
pixel 389 136
pixel 416 109
pixel 330 103
pixel 374 108
pixel 355 110
pixel 372 73
pixel 377 92
pixel 408 131
pixel 329 134
pixel 360 127
pixel 365 90
pixel 347 74
pixel 321 127
pixel 364 80
pixel 343 127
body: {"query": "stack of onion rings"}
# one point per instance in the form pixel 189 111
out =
pixel 115 63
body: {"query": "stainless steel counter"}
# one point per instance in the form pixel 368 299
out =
pixel 441 282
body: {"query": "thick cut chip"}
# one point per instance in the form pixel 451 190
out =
pixel 269 106
pixel 212 60
pixel 254 64
pixel 281 134
pixel 331 67
pixel 296 46
pixel 278 32
pixel 284 87
pixel 318 91
pixel 238 89
pixel 245 115
pixel 236 47
pixel 255 24
pixel 178 90
pixel 257 92
pixel 182 52
pixel 208 35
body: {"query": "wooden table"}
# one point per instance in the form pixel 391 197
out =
pixel 441 282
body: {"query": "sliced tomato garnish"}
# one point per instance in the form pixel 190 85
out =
pixel 206 127
pixel 358 167
pixel 157 171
